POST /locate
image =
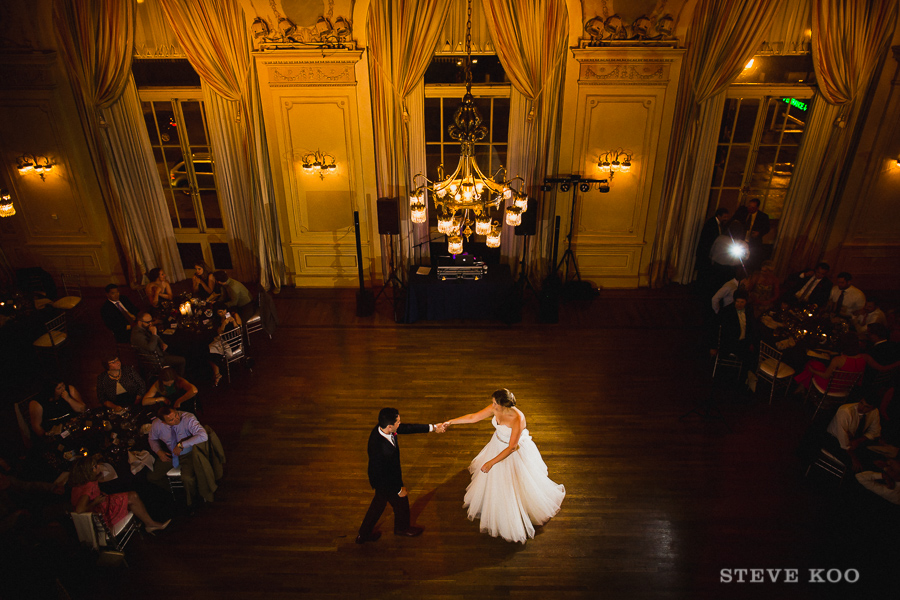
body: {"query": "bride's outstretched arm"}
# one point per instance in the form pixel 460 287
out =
pixel 512 447
pixel 481 415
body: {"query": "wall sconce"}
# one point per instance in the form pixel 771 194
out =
pixel 319 163
pixel 6 204
pixel 621 162
pixel 28 163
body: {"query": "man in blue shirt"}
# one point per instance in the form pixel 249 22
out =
pixel 172 436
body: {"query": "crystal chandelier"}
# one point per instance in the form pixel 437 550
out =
pixel 467 197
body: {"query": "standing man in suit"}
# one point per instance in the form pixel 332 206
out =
pixel 385 476
pixel 756 226
pixel 713 228
pixel 738 333
pixel 118 314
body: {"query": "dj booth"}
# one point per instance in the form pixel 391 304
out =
pixel 457 294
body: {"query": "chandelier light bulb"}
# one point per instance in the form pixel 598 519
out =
pixel 513 216
pixel 483 225
pixel 445 224
pixel 455 245
pixel 417 212
pixel 522 201
pixel 493 239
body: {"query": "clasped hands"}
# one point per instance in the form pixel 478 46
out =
pixel 441 427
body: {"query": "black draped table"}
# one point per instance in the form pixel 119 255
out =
pixel 491 297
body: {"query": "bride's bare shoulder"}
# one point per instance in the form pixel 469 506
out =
pixel 520 416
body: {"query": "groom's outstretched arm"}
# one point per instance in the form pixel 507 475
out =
pixel 416 428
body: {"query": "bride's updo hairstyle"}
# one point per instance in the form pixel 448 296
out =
pixel 504 398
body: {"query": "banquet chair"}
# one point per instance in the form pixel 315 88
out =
pixel 830 464
pixel 93 532
pixel 23 417
pixel 71 301
pixel 55 337
pixel 234 339
pixel 175 482
pixel 150 364
pixel 726 361
pixel 771 369
pixel 255 322
pixel 837 388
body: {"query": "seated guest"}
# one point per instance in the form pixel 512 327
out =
pixel 870 313
pixel 725 295
pixel 119 387
pixel 159 287
pixel 225 321
pixel 849 359
pixel 118 314
pixel 169 389
pixel 238 295
pixel 884 482
pixel 809 287
pixel 203 281
pixel 854 426
pixel 144 339
pixel 60 402
pixel 881 350
pixel 178 439
pixel 763 288
pixel 738 329
pixel 87 497
pixel 845 299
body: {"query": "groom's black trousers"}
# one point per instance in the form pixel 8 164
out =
pixel 376 508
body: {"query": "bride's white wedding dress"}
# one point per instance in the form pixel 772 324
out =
pixel 516 493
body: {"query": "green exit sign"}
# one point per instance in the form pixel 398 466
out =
pixel 796 103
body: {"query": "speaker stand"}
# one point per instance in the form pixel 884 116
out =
pixel 568 255
pixel 392 277
pixel 523 282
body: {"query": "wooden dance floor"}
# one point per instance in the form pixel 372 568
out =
pixel 655 507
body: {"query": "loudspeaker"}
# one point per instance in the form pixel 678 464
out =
pixel 388 216
pixel 529 219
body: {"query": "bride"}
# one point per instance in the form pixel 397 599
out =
pixel 510 490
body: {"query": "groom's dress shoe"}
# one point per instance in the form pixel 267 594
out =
pixel 369 538
pixel 410 532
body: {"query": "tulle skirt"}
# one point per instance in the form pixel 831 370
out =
pixel 516 494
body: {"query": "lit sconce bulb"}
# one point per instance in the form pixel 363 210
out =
pixel 455 245
pixel 493 240
pixel 513 216
pixel 614 166
pixel 626 165
pixel 417 212
pixel 483 225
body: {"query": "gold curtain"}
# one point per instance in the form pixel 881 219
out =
pixel 214 37
pixel 723 36
pixel 531 45
pixel 96 38
pixel 849 39
pixel 402 36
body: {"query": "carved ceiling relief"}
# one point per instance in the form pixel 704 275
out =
pixel 632 23
pixel 299 24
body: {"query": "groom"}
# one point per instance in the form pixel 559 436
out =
pixel 385 476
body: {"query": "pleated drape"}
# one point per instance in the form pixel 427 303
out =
pixel 134 174
pixel 723 36
pixel 96 39
pixel 530 39
pixel 214 37
pixel 402 36
pixel 849 38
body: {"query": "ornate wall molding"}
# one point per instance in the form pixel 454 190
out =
pixel 601 66
pixel 310 68
pixel 35 71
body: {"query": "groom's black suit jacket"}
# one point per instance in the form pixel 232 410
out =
pixel 384 459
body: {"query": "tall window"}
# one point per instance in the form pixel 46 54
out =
pixel 178 135
pixel 757 153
